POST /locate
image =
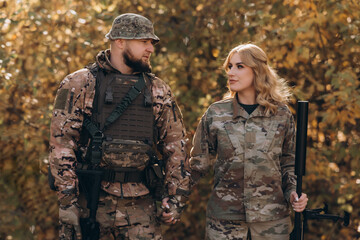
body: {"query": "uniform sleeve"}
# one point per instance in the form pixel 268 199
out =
pixel 172 144
pixel 66 124
pixel 203 151
pixel 287 159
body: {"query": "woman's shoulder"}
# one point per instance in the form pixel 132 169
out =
pixel 283 109
pixel 222 103
pixel 221 107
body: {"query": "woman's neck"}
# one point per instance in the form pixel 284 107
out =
pixel 248 99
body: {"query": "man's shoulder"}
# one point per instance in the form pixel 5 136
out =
pixel 78 78
pixel 159 86
pixel 79 74
pixel 155 80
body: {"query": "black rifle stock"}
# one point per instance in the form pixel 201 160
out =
pixel 91 182
pixel 300 160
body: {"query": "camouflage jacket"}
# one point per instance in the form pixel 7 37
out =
pixel 254 165
pixel 74 99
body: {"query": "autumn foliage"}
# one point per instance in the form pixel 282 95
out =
pixel 313 44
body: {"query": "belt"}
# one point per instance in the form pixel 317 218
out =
pixel 123 176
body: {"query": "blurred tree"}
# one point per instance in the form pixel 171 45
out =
pixel 314 44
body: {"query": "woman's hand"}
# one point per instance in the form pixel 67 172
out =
pixel 298 204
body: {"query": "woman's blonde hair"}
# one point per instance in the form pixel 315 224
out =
pixel 270 88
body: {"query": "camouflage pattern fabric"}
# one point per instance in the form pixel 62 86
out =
pixel 132 26
pixel 254 166
pixel 121 218
pixel 239 230
pixel 70 222
pixel 66 232
pixel 128 218
pixel 74 99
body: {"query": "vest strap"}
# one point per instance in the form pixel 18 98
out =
pixel 97 134
pixel 126 101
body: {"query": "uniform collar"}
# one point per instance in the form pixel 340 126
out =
pixel 103 59
pixel 239 111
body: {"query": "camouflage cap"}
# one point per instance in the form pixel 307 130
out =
pixel 132 26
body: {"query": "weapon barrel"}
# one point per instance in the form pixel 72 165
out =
pixel 93 178
pixel 92 181
pixel 300 158
pixel 301 136
pixel 95 194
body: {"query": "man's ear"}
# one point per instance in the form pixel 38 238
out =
pixel 119 43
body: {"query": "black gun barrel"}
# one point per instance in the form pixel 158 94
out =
pixel 300 158
pixel 91 179
pixel 301 136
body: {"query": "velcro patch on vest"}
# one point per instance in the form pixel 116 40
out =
pixel 61 99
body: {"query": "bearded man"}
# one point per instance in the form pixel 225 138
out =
pixel 117 118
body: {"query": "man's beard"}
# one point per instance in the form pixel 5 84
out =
pixel 136 64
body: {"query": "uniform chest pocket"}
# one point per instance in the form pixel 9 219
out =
pixel 270 137
pixel 235 133
pixel 263 136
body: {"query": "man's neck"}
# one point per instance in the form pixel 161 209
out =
pixel 118 63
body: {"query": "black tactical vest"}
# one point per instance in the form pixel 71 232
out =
pixel 130 137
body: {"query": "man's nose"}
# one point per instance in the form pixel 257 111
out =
pixel 150 48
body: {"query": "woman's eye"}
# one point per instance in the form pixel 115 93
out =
pixel 229 67
pixel 240 66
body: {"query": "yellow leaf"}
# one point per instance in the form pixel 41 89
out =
pixel 215 52
pixel 97 8
pixel 200 7
pixel 111 7
pixel 8 165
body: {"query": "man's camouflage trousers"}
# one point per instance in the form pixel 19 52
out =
pixel 123 219
pixel 239 230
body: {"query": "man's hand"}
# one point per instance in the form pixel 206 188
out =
pixel 297 203
pixel 172 209
pixel 71 215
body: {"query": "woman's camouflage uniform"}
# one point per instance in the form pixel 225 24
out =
pixel 254 165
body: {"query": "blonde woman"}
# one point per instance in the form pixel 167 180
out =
pixel 251 133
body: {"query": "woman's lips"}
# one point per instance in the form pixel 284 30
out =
pixel 232 81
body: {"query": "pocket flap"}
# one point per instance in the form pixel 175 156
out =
pixel 234 136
